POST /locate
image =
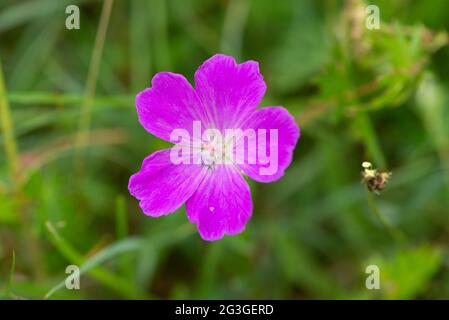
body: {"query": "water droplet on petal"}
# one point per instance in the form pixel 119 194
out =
pixel 211 209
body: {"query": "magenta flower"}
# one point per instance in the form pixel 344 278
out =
pixel 209 180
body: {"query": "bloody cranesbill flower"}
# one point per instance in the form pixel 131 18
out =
pixel 225 97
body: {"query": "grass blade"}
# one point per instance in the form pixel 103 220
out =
pixel 91 266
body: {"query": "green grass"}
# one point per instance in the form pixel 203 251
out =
pixel 70 139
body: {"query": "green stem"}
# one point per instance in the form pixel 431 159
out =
pixel 233 26
pixel 371 140
pixel 121 232
pixel 91 82
pixel 8 290
pixel 140 44
pixel 160 28
pixel 394 232
pixel 116 283
pixel 7 129
pixel 58 99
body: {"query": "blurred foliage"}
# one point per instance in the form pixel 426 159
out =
pixel 358 94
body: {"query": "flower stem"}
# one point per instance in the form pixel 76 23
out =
pixel 370 139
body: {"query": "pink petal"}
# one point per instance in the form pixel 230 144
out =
pixel 288 133
pixel 161 186
pixel 221 204
pixel 171 103
pixel 229 91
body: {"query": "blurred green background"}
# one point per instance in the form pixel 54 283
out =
pixel 70 140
